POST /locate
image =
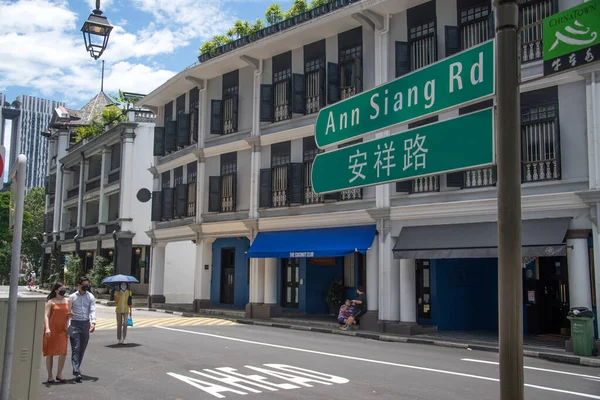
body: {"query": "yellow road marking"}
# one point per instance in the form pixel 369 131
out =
pixel 109 323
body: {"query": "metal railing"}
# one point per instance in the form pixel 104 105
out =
pixel 348 91
pixel 228 192
pixel 228 123
pixel 310 197
pixel 426 184
pixel 422 45
pixel 71 193
pixel 474 25
pixel 313 89
pixel 279 186
pixel 540 151
pixel 282 101
pixel 351 194
pixel 481 177
pixel 191 203
pixel 531 17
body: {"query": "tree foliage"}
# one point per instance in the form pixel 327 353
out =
pixel 317 3
pixel 33 227
pixel 110 115
pixel 298 7
pixel 274 14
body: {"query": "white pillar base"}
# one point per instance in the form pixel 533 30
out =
pixel 373 276
pixel 157 273
pixel 408 291
pixel 202 275
pixel 580 292
pixel 389 299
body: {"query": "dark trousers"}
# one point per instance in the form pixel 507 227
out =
pixel 79 341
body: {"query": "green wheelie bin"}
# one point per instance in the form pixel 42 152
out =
pixel 582 331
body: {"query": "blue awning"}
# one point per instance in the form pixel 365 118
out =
pixel 325 242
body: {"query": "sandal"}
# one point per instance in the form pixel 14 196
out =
pixel 63 380
pixel 50 382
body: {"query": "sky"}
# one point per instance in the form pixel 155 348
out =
pixel 42 52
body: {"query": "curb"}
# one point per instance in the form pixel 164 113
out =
pixel 555 357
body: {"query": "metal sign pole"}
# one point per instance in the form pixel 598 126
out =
pixel 510 281
pixel 19 171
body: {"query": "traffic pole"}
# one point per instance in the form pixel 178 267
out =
pixel 11 322
pixel 510 280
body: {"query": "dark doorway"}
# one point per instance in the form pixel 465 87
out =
pixel 423 289
pixel 546 297
pixel 291 283
pixel 227 275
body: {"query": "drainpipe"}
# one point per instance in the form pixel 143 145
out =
pixel 594 130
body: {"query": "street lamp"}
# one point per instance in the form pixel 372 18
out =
pixel 96 31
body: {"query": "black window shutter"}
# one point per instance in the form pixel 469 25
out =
pixel 402 59
pixel 455 179
pixel 491 25
pixel 404 187
pixel 167 211
pixel 48 223
pixel 181 200
pixel 299 98
pixel 265 188
pixel 214 194
pixel 159 141
pixel 234 191
pixel 51 184
pixel 216 117
pixel 452 40
pixel 358 78
pixel 171 136
pixel 156 206
pixel 295 183
pixel 234 112
pixel 266 103
pixel 194 124
pixel 333 83
pixel 183 129
pixel 322 99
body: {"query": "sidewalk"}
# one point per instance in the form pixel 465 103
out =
pixel 547 353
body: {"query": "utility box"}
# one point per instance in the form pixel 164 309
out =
pixel 27 356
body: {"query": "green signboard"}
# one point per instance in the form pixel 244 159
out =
pixel 464 78
pixel 446 146
pixel 572 38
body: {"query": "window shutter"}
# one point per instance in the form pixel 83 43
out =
pixel 404 187
pixel 159 141
pixel 402 59
pixel 167 204
pixel 299 97
pixel 265 188
pixel 358 78
pixel 266 103
pixel 171 136
pixel 181 200
pixel 183 130
pixel 195 124
pixel 333 83
pixel 214 194
pixel 234 112
pixel 234 191
pixel 452 40
pixel 51 184
pixel 48 223
pixel 491 25
pixel 322 94
pixel 455 179
pixel 156 206
pixel 295 184
pixel 216 117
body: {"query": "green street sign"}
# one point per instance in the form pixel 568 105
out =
pixel 464 78
pixel 460 143
pixel 572 38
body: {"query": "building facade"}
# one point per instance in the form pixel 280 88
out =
pixel 234 146
pixel 25 138
pixel 87 211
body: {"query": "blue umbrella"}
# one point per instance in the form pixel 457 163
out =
pixel 117 279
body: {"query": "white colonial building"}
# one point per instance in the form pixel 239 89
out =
pixel 234 147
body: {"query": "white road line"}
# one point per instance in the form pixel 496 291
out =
pixel 534 368
pixel 414 367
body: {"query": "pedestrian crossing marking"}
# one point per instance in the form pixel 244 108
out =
pixel 107 323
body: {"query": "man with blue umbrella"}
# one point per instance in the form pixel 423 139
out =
pixel 123 301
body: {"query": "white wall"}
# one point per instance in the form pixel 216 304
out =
pixel 143 145
pixel 246 92
pixel 180 261
pixel 212 167
pixel 445 15
pixel 243 180
pixel 398 33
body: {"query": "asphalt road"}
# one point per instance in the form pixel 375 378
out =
pixel 286 364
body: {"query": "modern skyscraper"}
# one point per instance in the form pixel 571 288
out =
pixel 33 118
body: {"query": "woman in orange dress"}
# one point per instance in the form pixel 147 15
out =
pixel 55 324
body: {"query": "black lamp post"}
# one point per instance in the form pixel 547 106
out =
pixel 96 31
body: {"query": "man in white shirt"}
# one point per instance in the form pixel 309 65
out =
pixel 83 322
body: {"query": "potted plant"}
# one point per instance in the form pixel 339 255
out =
pixel 74 269
pixel 102 269
pixel 335 295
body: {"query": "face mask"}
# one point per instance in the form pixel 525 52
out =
pixel 123 287
pixel 85 288
pixel 62 292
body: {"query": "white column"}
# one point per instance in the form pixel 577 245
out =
pixel 257 280
pixel 157 271
pixel 201 273
pixel 254 177
pixel 103 206
pixel 270 281
pixel 596 233
pixel 408 291
pixel 200 192
pixel 373 276
pixel 126 179
pixel 580 292
pixel 82 171
pixel 389 284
